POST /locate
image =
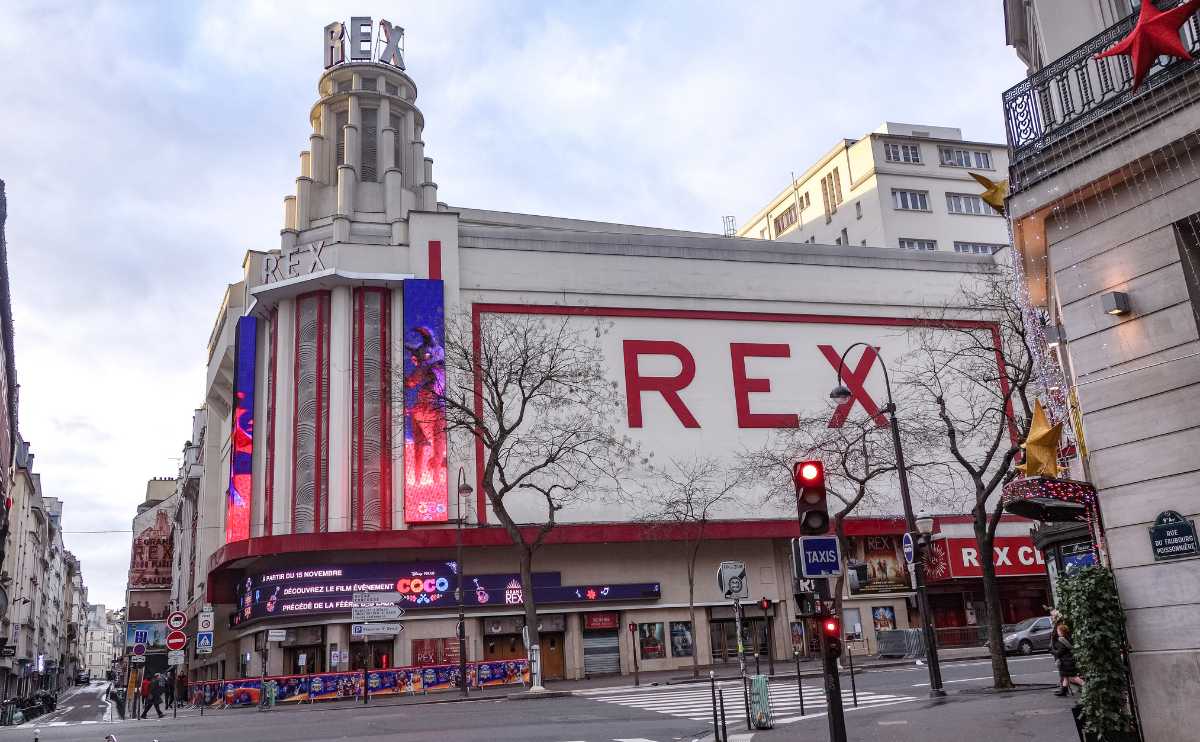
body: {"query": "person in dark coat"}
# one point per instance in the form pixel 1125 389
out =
pixel 1064 653
pixel 156 693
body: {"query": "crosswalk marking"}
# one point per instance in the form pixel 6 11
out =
pixel 694 701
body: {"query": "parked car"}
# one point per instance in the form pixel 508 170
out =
pixel 1029 636
pixel 83 678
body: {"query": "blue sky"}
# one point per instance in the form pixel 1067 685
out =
pixel 147 146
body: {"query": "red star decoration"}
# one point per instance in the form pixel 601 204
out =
pixel 591 594
pixel 1156 34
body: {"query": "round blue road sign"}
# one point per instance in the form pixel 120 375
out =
pixel 909 551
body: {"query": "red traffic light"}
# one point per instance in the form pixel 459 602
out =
pixel 831 627
pixel 809 472
pixel 765 604
pixel 812 508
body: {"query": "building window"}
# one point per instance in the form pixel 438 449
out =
pixel 845 238
pixel 394 123
pixel 909 243
pixel 681 639
pixel 858 209
pixel 650 641
pixel 976 248
pixel 852 624
pixel 370 423
pixel 910 153
pixel 831 193
pixel 955 157
pixel 369 146
pixel 807 200
pixel 785 220
pixel 965 203
pixel 911 200
pixel 340 121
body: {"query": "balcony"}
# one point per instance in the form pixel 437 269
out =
pixel 1077 105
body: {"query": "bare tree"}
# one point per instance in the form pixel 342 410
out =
pixel 531 393
pixel 975 377
pixel 688 494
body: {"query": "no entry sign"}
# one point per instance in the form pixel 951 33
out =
pixel 176 640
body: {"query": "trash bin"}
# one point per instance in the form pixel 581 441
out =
pixel 760 703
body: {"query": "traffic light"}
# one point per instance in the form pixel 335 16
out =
pixel 831 627
pixel 809 478
pixel 765 604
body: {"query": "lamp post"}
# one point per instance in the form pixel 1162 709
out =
pixel 840 394
pixel 464 490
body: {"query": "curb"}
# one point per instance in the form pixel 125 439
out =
pixel 539 695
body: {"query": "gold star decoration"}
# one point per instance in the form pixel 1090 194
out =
pixel 995 193
pixel 1041 446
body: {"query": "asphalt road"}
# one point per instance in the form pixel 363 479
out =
pixel 894 706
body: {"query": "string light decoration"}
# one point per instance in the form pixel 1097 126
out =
pixel 1054 500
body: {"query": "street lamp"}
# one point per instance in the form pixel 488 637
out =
pixel 841 394
pixel 464 490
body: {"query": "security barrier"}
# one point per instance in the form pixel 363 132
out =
pixel 332 686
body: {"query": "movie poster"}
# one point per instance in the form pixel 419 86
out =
pixel 426 498
pixel 148 605
pixel 877 565
pixel 884 617
pixel 153 550
pixel 241 455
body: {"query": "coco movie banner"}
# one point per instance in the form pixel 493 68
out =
pixel 426 499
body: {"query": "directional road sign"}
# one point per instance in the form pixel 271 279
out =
pixel 364 597
pixel 732 580
pixel 375 629
pixel 819 556
pixel 910 551
pixel 176 620
pixel 176 640
pixel 276 635
pixel 204 642
pixel 375 612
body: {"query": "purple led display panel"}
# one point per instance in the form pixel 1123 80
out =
pixel 426 499
pixel 241 456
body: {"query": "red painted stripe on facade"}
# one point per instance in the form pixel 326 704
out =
pixel 435 259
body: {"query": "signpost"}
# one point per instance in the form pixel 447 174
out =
pixel 276 635
pixel 204 642
pixel 204 622
pixel 1173 537
pixel 175 657
pixel 819 556
pixel 139 649
pixel 176 640
pixel 910 551
pixel 176 620
pixel 375 613
pixel 732 580
pixel 375 629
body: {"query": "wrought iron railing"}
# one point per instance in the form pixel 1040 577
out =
pixel 1077 89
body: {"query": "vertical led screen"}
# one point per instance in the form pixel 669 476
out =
pixel 241 455
pixel 425 497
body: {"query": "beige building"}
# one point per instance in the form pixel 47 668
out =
pixel 902 185
pixel 98 642
pixel 1105 201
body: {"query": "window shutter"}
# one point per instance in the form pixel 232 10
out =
pixel 342 119
pixel 394 122
pixel 369 145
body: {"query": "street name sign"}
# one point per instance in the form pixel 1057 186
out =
pixel 204 642
pixel 732 580
pixel 276 635
pixel 375 629
pixel 1173 537
pixel 175 657
pixel 819 556
pixel 176 620
pixel 910 551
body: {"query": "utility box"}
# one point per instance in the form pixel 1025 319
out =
pixel 760 703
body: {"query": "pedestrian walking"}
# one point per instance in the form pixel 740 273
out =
pixel 1064 654
pixel 156 694
pixel 169 690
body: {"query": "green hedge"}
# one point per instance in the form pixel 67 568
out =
pixel 1087 599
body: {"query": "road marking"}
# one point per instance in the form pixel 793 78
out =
pixel 894 721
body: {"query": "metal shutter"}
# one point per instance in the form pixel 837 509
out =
pixel 601 652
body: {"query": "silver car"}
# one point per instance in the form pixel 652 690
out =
pixel 1032 634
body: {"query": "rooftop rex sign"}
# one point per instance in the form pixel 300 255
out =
pixel 358 41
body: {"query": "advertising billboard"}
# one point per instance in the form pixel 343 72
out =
pixel 418 585
pixel 151 633
pixel 153 550
pixel 241 453
pixel 426 499
pixel 876 565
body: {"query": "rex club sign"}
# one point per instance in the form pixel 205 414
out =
pixel 956 558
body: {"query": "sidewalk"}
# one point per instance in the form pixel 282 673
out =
pixel 810 668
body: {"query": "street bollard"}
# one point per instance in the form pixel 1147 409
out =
pixel 853 686
pixel 712 682
pixel 757 664
pixel 724 730
pixel 746 699
pixel 366 689
pixel 799 683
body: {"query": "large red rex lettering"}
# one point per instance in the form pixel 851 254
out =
pixel 854 381
pixel 668 386
pixel 744 385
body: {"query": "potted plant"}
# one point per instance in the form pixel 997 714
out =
pixel 1088 602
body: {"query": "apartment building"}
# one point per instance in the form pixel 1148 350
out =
pixel 903 185
pixel 98 644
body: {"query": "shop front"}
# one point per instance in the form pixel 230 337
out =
pixel 878 591
pixel 601 643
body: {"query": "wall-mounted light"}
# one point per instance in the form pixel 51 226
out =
pixel 1115 303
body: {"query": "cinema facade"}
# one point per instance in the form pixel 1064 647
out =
pixel 326 471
